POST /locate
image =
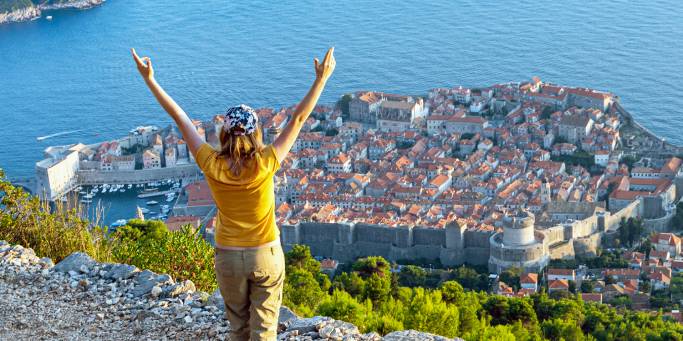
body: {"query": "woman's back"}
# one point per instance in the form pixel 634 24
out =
pixel 245 202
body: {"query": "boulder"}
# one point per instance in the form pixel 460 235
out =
pixel 286 317
pixel 414 335
pixel 310 324
pixel 177 289
pixel 119 272
pixel 75 262
pixel 216 299
pixel 146 280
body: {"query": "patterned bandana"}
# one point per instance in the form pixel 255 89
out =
pixel 242 117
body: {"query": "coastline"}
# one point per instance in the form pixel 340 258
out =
pixel 35 12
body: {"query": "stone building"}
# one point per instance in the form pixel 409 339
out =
pixel 363 106
pixel 519 245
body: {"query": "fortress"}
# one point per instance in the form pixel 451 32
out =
pixel 521 241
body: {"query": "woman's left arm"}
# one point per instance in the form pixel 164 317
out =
pixel 187 128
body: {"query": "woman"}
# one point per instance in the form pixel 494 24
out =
pixel 249 259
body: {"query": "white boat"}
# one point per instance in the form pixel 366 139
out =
pixel 88 196
pixel 49 17
pixel 144 210
pixel 152 202
pixel 130 186
pixel 122 190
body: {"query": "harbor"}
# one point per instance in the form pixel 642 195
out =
pixel 113 205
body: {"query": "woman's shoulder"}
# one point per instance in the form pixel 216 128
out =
pixel 269 159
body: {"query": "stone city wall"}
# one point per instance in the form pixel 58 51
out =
pixel 347 242
pixel 587 246
pixel 612 220
pixel 662 224
pixel 563 250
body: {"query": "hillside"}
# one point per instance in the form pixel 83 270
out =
pixel 14 5
pixel 25 10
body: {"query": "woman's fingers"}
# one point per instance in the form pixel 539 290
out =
pixel 328 56
pixel 136 57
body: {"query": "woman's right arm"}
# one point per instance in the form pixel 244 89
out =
pixel 184 123
pixel 284 142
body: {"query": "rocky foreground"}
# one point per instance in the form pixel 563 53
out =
pixel 80 299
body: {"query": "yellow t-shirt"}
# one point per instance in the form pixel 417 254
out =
pixel 246 203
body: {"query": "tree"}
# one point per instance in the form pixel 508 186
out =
pixel 586 286
pixel 136 229
pixel 452 292
pixel 372 265
pixel 302 290
pixel 300 257
pixel 341 306
pixel 621 301
pixel 469 278
pixel 350 282
pixel 377 288
pixel 511 277
pixel 558 329
pixel 629 161
pixel 426 311
pixel 344 104
pixel 412 276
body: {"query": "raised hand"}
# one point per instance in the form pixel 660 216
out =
pixel 324 70
pixel 144 65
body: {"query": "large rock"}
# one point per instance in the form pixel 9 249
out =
pixel 216 299
pixel 414 335
pixel 177 289
pixel 119 272
pixel 146 280
pixel 310 324
pixel 75 262
pixel 286 317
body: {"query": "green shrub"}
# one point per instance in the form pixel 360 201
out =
pixel 51 232
pixel 183 254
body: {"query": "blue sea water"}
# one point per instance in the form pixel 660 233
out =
pixel 75 72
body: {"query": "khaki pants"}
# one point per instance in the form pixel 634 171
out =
pixel 251 284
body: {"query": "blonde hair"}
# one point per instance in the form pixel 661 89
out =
pixel 240 151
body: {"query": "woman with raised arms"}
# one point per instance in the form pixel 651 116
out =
pixel 249 262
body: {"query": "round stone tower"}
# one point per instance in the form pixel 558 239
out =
pixel 518 229
pixel 518 245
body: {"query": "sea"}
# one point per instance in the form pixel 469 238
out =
pixel 73 76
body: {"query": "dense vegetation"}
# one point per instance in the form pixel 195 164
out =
pixel 58 231
pixel 13 5
pixel 369 294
